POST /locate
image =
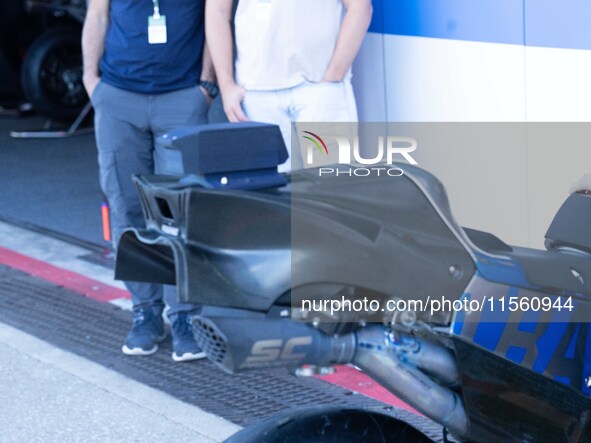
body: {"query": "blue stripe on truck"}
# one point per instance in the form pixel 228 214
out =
pixel 495 21
pixel 546 23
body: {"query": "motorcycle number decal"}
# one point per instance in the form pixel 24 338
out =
pixel 555 344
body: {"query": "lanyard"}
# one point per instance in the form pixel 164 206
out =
pixel 156 9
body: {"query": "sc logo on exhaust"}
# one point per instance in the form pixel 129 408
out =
pixel 265 352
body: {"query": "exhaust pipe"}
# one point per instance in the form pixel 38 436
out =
pixel 238 340
pixel 399 370
pixel 431 358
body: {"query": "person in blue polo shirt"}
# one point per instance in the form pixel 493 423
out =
pixel 147 71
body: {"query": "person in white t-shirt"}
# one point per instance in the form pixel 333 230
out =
pixel 292 63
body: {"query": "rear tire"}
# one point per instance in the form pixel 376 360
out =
pixel 52 74
pixel 329 425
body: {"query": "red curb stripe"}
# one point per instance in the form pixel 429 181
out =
pixel 356 381
pixel 67 279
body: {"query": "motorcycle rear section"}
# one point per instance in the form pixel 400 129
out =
pixel 256 248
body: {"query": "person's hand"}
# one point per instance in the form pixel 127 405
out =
pixel 90 82
pixel 330 79
pixel 206 95
pixel 582 184
pixel 232 97
pixel 332 75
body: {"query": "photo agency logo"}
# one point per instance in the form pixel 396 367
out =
pixel 349 155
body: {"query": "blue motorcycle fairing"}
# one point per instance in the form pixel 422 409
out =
pixel 555 343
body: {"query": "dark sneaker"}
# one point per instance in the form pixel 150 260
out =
pixel 184 346
pixel 145 333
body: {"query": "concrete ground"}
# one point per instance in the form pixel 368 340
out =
pixel 50 395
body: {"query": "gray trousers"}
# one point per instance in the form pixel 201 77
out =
pixel 127 125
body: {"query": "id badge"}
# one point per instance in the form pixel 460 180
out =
pixel 157 30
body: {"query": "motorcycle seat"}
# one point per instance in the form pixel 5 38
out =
pixel 486 241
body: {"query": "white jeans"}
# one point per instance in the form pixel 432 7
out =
pixel 308 102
